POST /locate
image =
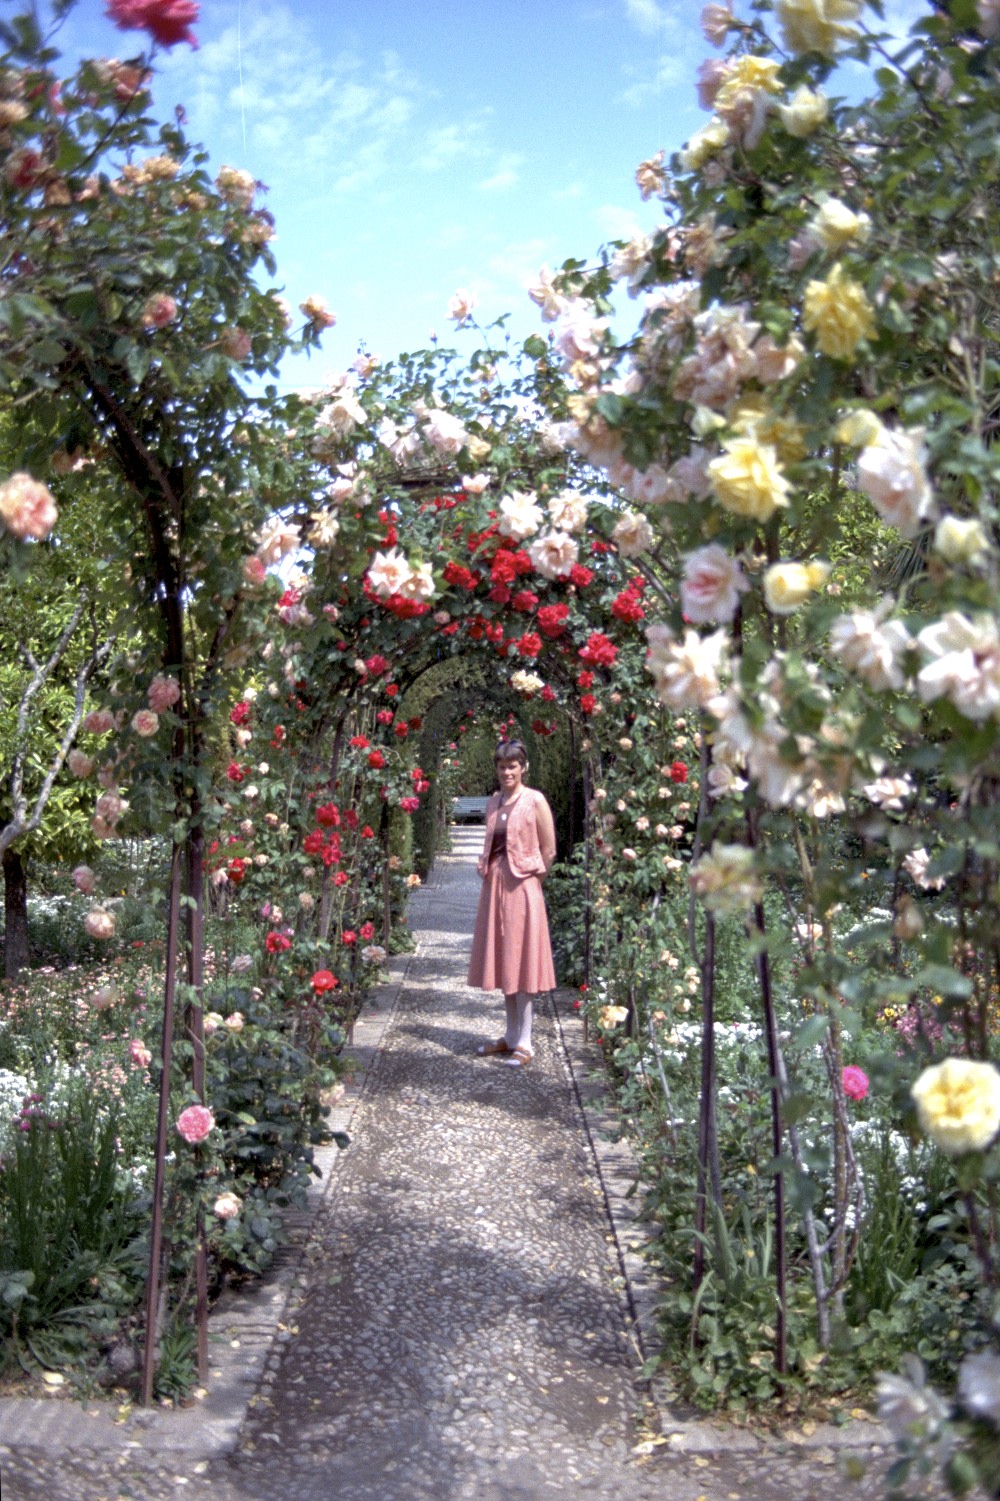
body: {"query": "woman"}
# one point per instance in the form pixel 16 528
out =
pixel 510 947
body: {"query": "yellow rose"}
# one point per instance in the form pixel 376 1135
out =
pixel 786 436
pixel 704 144
pixel 748 72
pixel 612 1016
pixel 958 1104
pixel 834 225
pixel 788 585
pixel 859 428
pixel 960 541
pixel 748 479
pixel 816 25
pixel 839 314
pixel 804 113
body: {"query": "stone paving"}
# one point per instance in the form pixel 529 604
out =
pixel 460 1326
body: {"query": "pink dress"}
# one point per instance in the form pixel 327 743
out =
pixel 511 950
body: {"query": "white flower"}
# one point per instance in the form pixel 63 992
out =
pixel 961 541
pixel 725 879
pixel 420 584
pixel 963 665
pixel 979 1374
pixel 568 511
pixel 444 432
pixel 686 672
pixel 545 297
pixel 632 261
pixel 711 586
pixel 916 864
pixel 889 792
pixel 323 532
pixel 342 416
pixel 891 472
pixel 460 306
pixel 526 682
pixel 633 534
pixel 553 554
pixel 475 484
pixel 520 515
pixel 871 646
pixel 907 1405
pixel 579 334
pixel 388 572
pixel 275 539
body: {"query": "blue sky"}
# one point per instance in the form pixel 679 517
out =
pixel 413 148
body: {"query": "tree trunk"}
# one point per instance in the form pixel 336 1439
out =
pixel 15 906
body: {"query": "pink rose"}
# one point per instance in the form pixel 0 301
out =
pixel 163 693
pixel 855 1082
pixel 84 879
pixel 160 310
pixel 227 1206
pixel 195 1123
pixel 145 723
pixel 235 343
pixel 99 722
pixel 711 585
pixel 99 923
pixel 254 571
pixel 139 1053
pixel 80 764
pixel 27 508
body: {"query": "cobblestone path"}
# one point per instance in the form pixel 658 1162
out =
pixel 462 1332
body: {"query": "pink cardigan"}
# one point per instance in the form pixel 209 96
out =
pixel 524 855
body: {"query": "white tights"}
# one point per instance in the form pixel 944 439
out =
pixel 520 1016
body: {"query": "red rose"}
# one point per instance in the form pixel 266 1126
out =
pixel 235 870
pixel 341 878
pixel 551 620
pixel 239 713
pixel 328 814
pixel 415 722
pixel 278 738
pixel 392 689
pixel 351 818
pixel 377 665
pixel 585 680
pixel 422 786
pixel 367 832
pixel 581 576
pixel 626 607
pixel 376 760
pixel 409 804
pixel 599 650
pixel 313 842
pixel 678 772
pixel 460 576
pixel 401 731
pixel 167 21
pixel 360 742
pixel 323 981
pixel 276 943
pixel 384 716
pixel 235 772
pixel 548 696
pixel 349 936
pixel 530 644
pixel 367 932
pixel 524 601
pixel 588 703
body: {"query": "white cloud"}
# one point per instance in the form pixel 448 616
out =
pixel 505 177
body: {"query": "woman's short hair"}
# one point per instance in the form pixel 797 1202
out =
pixel 511 750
